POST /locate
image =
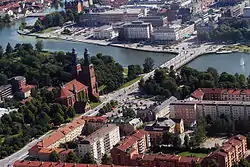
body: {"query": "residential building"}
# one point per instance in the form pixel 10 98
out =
pixel 19 86
pixel 157 129
pixel 5 91
pixel 99 142
pixel 64 134
pixel 221 94
pixel 115 3
pixel 24 163
pixel 163 110
pixel 127 126
pixel 105 32
pixel 156 21
pixel 111 16
pixel 137 30
pixel 185 110
pixel 230 153
pixel 163 160
pixel 234 11
pixel 137 143
pixel 84 85
pixel 191 110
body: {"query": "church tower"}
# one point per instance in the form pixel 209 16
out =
pixel 76 68
pixel 88 76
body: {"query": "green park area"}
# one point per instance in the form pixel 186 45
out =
pixel 190 154
pixel 130 82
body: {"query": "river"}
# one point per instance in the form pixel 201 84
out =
pixel 230 63
pixel 124 56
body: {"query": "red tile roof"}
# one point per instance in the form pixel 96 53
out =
pixel 28 88
pixel 78 85
pixel 198 94
pixel 56 164
pixel 65 93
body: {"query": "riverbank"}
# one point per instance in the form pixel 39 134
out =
pixel 132 46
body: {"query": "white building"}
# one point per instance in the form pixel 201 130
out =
pixel 105 32
pixel 191 110
pixel 173 32
pixel 137 30
pixel 246 12
pixel 100 142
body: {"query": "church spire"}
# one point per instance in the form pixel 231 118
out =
pixel 86 57
pixel 74 57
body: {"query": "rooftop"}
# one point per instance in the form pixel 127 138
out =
pixel 208 102
pixel 100 133
pixel 121 11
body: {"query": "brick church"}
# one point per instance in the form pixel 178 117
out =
pixel 83 87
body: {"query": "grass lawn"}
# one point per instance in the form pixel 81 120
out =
pixel 94 104
pixel 44 53
pixel 130 82
pixel 188 154
pixel 46 30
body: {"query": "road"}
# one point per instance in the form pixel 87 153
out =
pixel 187 52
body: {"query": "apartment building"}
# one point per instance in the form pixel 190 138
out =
pixel 221 94
pixel 185 110
pixel 157 129
pixel 57 164
pixel 231 152
pixel 137 143
pixel 99 142
pixel 137 30
pixel 5 91
pixel 190 110
pixel 64 134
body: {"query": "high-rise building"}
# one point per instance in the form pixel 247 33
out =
pixel 99 142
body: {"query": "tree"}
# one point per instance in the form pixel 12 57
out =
pixel 39 45
pixel 72 158
pixel 88 159
pixel 148 65
pixel 1 51
pixel 106 160
pixel 54 157
pixel 9 48
pixel 3 79
pixel 58 119
pixel 38 26
pixel 177 142
pixel 186 141
pixel 129 112
pixel 168 138
pixel 134 71
pixel 71 112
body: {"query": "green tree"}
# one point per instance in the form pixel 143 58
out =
pixel 54 157
pixel 71 112
pixel 176 142
pixel 129 112
pixel 72 158
pixel 1 51
pixel 39 45
pixel 148 65
pixel 9 48
pixel 186 141
pixel 88 159
pixel 3 79
pixel 38 26
pixel 58 120
pixel 106 160
pixel 168 138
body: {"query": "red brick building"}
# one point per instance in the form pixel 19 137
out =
pixel 231 152
pixel 84 85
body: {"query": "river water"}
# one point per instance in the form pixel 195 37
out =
pixel 124 56
pixel 230 63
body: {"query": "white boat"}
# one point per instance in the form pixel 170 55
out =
pixel 242 62
pixel 224 52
